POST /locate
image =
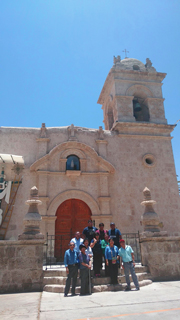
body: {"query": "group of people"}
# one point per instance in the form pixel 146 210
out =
pixel 100 245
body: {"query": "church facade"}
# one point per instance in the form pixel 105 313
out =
pixel 100 174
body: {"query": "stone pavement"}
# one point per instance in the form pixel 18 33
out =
pixel 161 300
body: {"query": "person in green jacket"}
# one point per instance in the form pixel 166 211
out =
pixel 104 244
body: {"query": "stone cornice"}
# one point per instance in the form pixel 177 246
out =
pixel 137 136
pixel 60 173
pixel 43 199
pixel 73 173
pixel 104 199
pixel 102 141
pixel 124 98
pixel 143 128
pixel 101 216
pixel 159 239
pixel 49 218
pixel 21 242
pixel 139 82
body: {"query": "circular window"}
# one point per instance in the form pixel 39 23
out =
pixel 149 160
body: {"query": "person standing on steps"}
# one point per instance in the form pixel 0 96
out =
pixel 101 231
pixel 71 264
pixel 77 241
pixel 115 234
pixel 97 255
pixel 126 254
pixel 85 267
pixel 89 231
pixel 112 257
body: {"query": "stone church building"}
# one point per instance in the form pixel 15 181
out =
pixel 100 174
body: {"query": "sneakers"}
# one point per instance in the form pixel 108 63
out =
pixel 65 295
pixel 127 289
pixel 137 289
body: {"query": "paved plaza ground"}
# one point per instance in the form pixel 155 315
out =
pixel 160 300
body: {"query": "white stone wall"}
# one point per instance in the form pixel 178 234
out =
pixel 116 196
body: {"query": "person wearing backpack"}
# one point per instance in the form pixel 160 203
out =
pixel 115 234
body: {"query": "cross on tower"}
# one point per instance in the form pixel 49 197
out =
pixel 125 51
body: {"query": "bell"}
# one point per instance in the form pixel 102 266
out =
pixel 137 107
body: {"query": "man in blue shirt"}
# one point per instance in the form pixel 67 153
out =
pixel 71 264
pixel 127 255
pixel 115 234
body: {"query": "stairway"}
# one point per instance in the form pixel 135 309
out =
pixel 54 280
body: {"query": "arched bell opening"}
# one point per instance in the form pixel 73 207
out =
pixel 140 110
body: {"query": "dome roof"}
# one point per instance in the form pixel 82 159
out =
pixel 133 64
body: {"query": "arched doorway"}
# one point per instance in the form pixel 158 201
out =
pixel 72 215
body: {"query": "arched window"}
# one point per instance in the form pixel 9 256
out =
pixel 72 163
pixel 140 110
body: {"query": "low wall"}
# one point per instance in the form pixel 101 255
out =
pixel 21 265
pixel 162 256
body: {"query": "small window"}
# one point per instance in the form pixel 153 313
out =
pixel 136 67
pixel 149 160
pixel 72 163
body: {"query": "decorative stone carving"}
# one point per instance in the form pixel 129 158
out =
pixel 149 66
pixel 72 133
pixel 101 133
pixel 150 219
pixel 32 219
pixel 116 59
pixel 43 132
pixel 148 63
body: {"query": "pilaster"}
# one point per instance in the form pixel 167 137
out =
pixel 124 108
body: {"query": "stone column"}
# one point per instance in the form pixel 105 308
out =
pixel 156 110
pixel 32 219
pixel 160 252
pixel 150 219
pixel 124 108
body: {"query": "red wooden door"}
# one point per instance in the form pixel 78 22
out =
pixel 72 215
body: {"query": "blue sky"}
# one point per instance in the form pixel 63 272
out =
pixel 55 56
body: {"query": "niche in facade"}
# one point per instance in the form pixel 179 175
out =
pixel 72 163
pixel 140 110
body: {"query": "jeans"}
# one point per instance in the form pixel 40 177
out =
pixel 73 272
pixel 128 266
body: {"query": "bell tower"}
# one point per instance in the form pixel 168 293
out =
pixel 132 93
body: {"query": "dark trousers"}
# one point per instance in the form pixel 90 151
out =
pixel 97 263
pixel 84 281
pixel 73 272
pixel 113 270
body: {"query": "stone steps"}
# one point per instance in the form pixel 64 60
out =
pixel 61 271
pixel 57 288
pixel 55 279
